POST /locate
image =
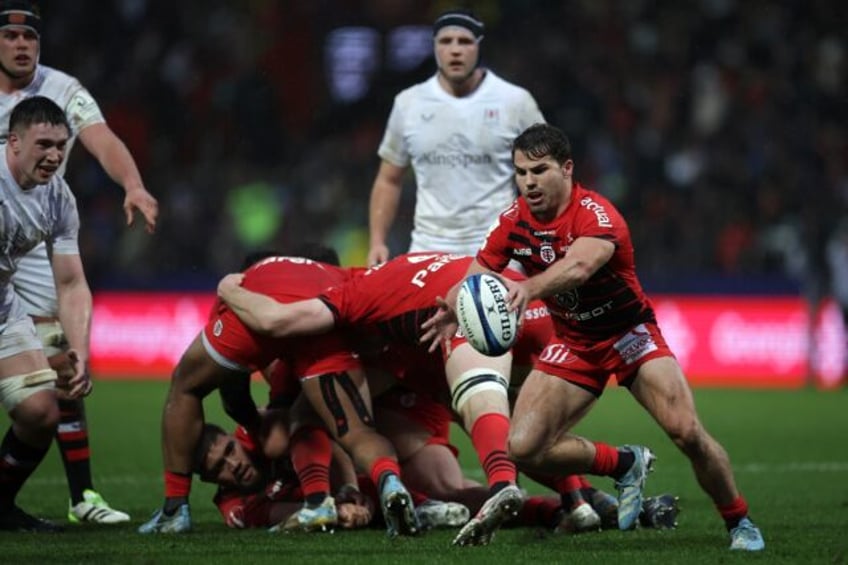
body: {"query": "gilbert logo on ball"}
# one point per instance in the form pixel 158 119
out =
pixel 484 316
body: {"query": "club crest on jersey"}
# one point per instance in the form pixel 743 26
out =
pixel 491 115
pixel 218 328
pixel 547 253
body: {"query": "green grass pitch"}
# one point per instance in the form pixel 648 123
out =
pixel 789 450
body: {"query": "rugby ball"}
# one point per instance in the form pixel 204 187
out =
pixel 482 310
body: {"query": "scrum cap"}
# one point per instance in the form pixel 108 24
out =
pixel 461 18
pixel 20 13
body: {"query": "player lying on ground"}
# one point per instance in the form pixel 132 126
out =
pixel 257 492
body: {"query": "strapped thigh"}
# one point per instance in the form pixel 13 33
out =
pixel 16 389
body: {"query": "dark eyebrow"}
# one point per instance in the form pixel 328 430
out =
pixel 219 464
pixel 541 167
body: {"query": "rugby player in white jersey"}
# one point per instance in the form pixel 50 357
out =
pixel 21 77
pixel 455 130
pixel 36 206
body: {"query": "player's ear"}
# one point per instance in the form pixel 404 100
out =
pixel 14 141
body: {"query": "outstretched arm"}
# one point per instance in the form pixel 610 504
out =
pixel 116 160
pixel 265 315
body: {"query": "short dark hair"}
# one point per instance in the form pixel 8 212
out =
pixel 37 110
pixel 210 433
pixel 541 140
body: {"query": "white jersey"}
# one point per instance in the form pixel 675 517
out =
pixel 461 152
pixel 33 279
pixel 44 213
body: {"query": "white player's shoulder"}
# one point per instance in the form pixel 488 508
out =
pixel 505 88
pixel 417 92
pixel 54 77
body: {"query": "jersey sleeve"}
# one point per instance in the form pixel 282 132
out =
pixel 597 217
pixel 496 249
pixel 529 111
pixel 393 147
pixel 82 110
pixel 64 239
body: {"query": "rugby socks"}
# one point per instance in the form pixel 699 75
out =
pixel 567 487
pixel 611 462
pixel 569 491
pixel 539 511
pixel 381 469
pixel 489 436
pixel 311 453
pixel 72 439
pixel 733 512
pixel 17 462
pixel 177 489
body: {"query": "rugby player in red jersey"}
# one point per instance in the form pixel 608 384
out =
pixel 388 303
pixel 577 251
pixel 225 354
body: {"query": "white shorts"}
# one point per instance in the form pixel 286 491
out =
pixel 52 338
pixel 17 336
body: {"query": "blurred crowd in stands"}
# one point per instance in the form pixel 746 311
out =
pixel 718 127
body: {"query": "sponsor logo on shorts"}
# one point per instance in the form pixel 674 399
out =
pixel 555 354
pixel 635 344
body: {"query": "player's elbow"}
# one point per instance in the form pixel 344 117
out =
pixel 274 326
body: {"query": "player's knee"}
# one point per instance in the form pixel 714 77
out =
pixel 524 447
pixel 688 435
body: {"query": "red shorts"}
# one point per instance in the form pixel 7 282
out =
pixel 422 410
pixel 592 367
pixel 236 347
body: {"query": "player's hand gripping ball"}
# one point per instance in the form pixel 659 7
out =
pixel 482 310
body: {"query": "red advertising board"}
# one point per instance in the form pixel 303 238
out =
pixel 720 341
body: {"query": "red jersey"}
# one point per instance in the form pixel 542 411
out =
pixel 395 298
pixel 285 279
pixel 611 301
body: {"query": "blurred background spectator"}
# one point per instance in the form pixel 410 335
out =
pixel 718 127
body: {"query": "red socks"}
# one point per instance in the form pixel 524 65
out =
pixel 177 485
pixel 311 453
pixel 383 465
pixel 606 460
pixel 489 435
pixel 733 512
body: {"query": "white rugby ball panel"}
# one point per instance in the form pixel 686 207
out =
pixel 483 314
